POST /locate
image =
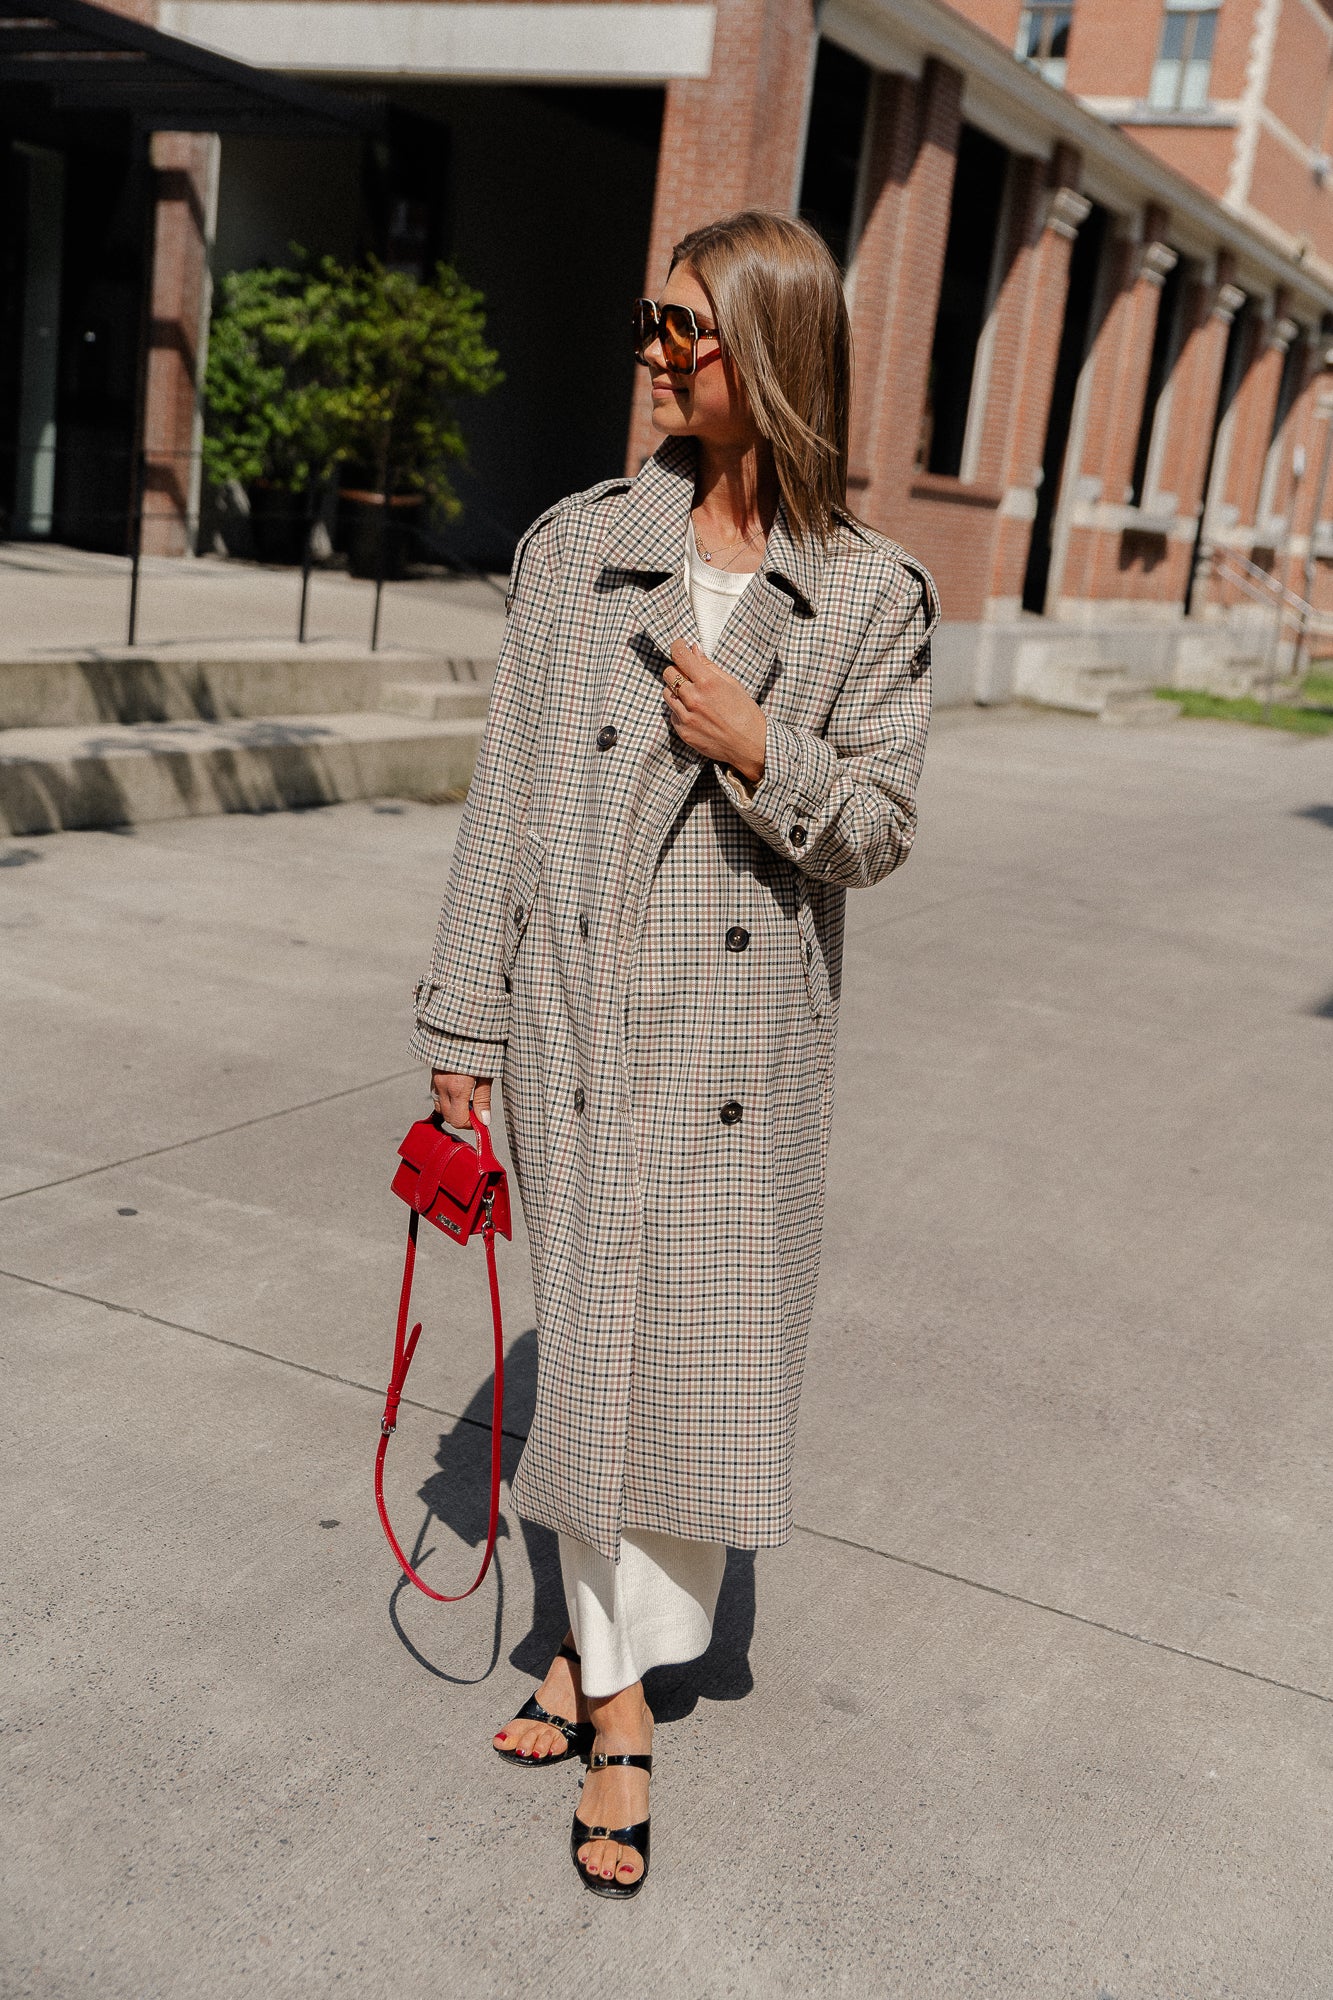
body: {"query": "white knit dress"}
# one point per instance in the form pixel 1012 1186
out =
pixel 655 1606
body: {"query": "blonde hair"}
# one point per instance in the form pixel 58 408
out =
pixel 782 318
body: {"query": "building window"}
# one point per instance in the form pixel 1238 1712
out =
pixel 1043 38
pixel 835 133
pixel 1180 74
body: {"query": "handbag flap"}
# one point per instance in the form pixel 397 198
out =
pixel 445 1167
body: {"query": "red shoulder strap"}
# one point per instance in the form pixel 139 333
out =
pixel 404 1347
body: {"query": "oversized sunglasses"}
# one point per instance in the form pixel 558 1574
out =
pixel 677 330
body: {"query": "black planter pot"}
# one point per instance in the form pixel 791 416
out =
pixel 364 520
pixel 278 521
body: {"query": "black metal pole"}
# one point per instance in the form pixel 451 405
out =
pixel 136 546
pixel 380 562
pixel 312 493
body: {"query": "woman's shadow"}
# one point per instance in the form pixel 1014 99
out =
pixel 458 1497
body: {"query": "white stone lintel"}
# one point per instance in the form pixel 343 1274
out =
pixel 646 41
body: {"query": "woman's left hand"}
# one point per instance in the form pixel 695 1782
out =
pixel 711 711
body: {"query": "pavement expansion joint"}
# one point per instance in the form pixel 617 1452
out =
pixel 814 1534
pixel 1075 1617
pixel 201 1138
pixel 257 1353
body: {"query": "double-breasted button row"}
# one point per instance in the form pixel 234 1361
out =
pixel 738 938
pixel 731 1112
pixel 608 736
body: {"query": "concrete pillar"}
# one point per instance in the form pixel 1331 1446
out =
pixel 731 140
pixel 184 181
pixel 912 151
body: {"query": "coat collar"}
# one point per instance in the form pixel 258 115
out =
pixel 649 535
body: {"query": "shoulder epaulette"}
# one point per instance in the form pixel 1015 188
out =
pixel 588 496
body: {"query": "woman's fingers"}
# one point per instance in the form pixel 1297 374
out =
pixel 453 1092
pixel 689 660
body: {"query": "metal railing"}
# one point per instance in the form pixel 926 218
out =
pixel 400 540
pixel 1231 574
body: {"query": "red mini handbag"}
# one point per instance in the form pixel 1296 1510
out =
pixel 463 1190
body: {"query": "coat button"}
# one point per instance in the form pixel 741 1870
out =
pixel 583 924
pixel 608 737
pixel 579 1099
pixel 737 938
pixel 797 836
pixel 809 954
pixel 730 1114
pixel 519 913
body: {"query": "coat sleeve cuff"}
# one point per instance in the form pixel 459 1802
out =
pixel 465 1033
pixel 474 1017
pixel 453 1053
pixel 798 771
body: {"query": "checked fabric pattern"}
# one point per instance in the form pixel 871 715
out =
pixel 650 959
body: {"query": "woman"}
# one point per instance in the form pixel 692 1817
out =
pixel 708 722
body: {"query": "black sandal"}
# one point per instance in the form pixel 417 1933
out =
pixel 625 1836
pixel 578 1735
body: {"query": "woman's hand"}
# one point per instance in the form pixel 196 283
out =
pixel 454 1092
pixel 711 711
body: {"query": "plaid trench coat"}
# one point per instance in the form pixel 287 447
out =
pixel 649 957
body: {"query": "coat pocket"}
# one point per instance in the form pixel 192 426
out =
pixel 813 967
pixel 522 895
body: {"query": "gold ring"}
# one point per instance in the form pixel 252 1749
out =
pixel 680 682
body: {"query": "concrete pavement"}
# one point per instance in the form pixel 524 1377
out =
pixel 60 601
pixel 1037 1701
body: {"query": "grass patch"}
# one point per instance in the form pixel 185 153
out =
pixel 1311 714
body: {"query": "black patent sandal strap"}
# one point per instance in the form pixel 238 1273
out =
pixel 568 1652
pixel 599 1762
pixel 532 1711
pixel 625 1836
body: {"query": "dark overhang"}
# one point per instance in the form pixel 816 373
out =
pixel 70 58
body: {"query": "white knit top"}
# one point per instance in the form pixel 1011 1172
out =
pixel 714 593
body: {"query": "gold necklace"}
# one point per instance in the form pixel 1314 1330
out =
pixel 711 555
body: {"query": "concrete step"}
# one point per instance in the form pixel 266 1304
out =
pixel 1132 709
pixel 256 678
pixel 130 774
pixel 436 701
pixel 1080 690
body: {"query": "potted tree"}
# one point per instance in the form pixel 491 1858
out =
pixel 266 425
pixel 352 370
pixel 399 352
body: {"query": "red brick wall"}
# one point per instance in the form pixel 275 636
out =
pixel 180 170
pixel 913 148
pixel 1201 153
pixel 731 140
pixel 1029 321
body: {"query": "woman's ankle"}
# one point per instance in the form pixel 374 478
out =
pixel 622 1714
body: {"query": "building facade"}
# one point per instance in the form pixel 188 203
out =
pixel 1088 248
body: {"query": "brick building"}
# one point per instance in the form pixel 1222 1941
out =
pixel 1088 244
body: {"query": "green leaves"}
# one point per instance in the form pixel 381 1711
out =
pixel 316 367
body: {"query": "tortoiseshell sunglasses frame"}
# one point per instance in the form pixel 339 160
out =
pixel 647 325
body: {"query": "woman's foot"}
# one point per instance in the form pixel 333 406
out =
pixel 561 1693
pixel 617 1796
